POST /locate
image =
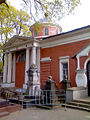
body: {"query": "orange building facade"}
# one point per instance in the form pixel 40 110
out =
pixel 64 56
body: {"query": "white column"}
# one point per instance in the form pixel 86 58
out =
pixel 33 55
pixel 14 63
pixel 38 58
pixel 27 65
pixel 9 67
pixel 5 68
pixel 78 63
pixel 38 61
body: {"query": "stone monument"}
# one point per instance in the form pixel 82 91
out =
pixel 34 82
pixel 51 91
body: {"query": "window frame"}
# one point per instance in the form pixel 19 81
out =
pixel 45 31
pixel 62 60
pixel 56 31
pixel 20 55
pixel 35 33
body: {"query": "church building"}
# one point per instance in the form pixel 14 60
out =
pixel 57 54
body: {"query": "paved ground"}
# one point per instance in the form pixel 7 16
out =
pixel 42 114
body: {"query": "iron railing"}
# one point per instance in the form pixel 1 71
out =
pixel 44 98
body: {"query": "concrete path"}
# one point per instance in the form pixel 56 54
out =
pixel 42 114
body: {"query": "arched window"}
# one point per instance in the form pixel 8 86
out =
pixel 21 57
pixel 56 31
pixel 35 33
pixel 46 31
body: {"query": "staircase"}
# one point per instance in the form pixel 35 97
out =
pixel 80 104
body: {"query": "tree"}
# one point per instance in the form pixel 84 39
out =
pixel 4 1
pixel 13 22
pixel 21 23
pixel 55 9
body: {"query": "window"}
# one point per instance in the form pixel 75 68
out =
pixel 56 31
pixel 64 68
pixel 21 57
pixel 35 33
pixel 46 31
pixel 65 71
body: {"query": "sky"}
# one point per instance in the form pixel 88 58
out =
pixel 80 17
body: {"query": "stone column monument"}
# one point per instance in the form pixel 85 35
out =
pixel 34 82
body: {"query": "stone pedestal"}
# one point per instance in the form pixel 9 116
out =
pixel 81 78
pixel 66 84
pixel 76 93
pixel 51 91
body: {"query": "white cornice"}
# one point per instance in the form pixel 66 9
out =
pixel 13 44
pixel 70 37
pixel 46 59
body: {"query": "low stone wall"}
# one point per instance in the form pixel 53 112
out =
pixel 76 93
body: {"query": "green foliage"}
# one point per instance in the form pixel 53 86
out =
pixel 1 66
pixel 37 27
pixel 55 9
pixel 13 22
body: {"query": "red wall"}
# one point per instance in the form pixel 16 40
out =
pixel 64 50
pixel 20 74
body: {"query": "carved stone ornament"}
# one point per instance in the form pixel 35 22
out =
pixel 33 68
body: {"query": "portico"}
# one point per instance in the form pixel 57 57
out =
pixel 13 50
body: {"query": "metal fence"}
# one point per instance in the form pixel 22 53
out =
pixel 47 98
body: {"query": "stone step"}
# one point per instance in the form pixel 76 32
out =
pixel 76 107
pixel 11 108
pixel 82 101
pixel 3 102
pixel 3 114
pixel 79 104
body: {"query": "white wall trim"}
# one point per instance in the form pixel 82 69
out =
pixel 63 57
pixel 84 52
pixel 65 39
pixel 46 59
pixel 6 85
pixel 85 64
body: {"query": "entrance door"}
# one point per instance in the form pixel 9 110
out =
pixel 20 70
pixel 20 74
pixel 88 77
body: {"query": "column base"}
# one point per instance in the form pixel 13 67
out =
pixel 25 86
pixel 7 85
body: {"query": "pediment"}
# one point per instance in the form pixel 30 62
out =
pixel 16 40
